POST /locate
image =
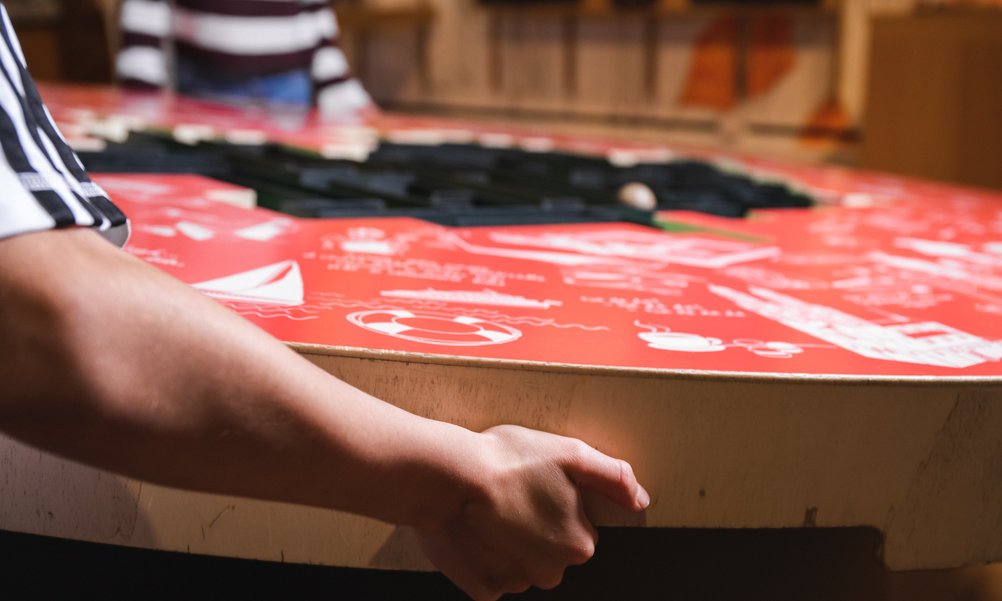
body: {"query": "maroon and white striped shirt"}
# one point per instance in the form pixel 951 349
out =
pixel 43 182
pixel 252 37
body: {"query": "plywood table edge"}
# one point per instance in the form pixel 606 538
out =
pixel 640 372
pixel 917 460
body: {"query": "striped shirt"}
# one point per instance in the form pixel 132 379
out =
pixel 42 182
pixel 245 37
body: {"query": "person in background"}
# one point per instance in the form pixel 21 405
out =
pixel 108 361
pixel 276 51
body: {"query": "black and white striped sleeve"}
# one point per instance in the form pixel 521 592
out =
pixel 43 185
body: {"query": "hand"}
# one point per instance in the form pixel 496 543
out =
pixel 524 522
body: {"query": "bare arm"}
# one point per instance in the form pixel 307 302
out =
pixel 110 362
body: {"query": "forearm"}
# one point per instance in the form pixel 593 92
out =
pixel 192 395
pixel 108 361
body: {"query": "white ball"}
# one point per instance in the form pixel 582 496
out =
pixel 639 196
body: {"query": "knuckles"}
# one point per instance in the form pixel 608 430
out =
pixel 627 478
pixel 578 453
pixel 581 552
pixel 550 582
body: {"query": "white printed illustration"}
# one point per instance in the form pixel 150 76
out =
pixel 636 279
pixel 664 339
pixel 925 343
pixel 773 349
pixel 771 278
pixel 154 192
pixel 952 250
pixel 554 258
pixel 955 270
pixel 435 328
pixel 628 244
pixel 245 198
pixel 190 219
pixel 876 286
pixel 945 224
pixel 475 297
pixel 276 284
pixel 265 231
pixel 138 190
pixel 682 342
pixel 195 231
pixel 371 241
pixel 163 231
pixel 863 277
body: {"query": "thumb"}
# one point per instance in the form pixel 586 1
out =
pixel 611 477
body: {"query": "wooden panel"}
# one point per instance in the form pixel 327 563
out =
pixel 462 54
pixel 459 52
pixel 393 68
pixel 610 66
pixel 933 109
pixel 533 62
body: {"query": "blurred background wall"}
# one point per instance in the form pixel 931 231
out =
pixel 910 86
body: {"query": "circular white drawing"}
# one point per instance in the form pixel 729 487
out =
pixel 771 350
pixel 678 341
pixel 435 328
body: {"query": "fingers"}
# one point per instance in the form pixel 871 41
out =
pixel 611 477
pixel 485 574
pixel 462 565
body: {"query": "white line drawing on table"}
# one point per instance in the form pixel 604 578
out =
pixel 865 277
pixel 327 301
pixel 196 232
pixel 908 297
pixel 475 297
pixel 277 312
pixel 200 225
pixel 762 276
pixel 265 231
pixel 370 240
pixel 163 231
pixel 664 338
pixel 875 286
pixel 156 256
pixel 154 192
pixel 911 222
pixel 435 328
pixel 950 250
pixel 629 277
pixel 924 343
pixel 948 270
pixel 884 285
pixel 556 258
pixel 139 190
pixel 276 284
pixel 533 321
pixel 654 247
pixel 773 349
